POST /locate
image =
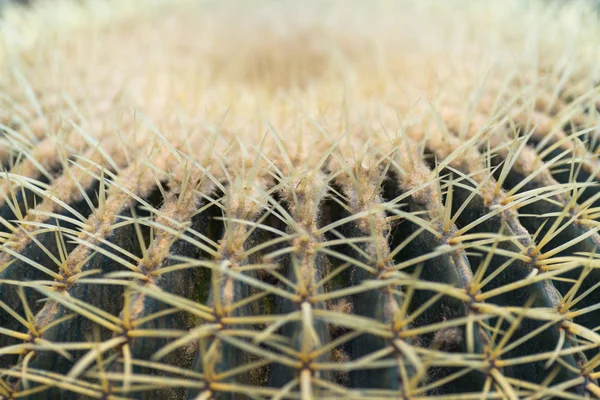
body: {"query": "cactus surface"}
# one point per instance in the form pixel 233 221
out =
pixel 299 200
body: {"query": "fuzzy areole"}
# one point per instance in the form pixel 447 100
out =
pixel 297 200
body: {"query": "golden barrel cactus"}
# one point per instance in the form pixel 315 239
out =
pixel 299 200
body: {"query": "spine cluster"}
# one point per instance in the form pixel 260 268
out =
pixel 394 244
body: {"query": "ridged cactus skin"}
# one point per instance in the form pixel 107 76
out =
pixel 299 200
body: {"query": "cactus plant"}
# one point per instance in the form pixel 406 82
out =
pixel 259 200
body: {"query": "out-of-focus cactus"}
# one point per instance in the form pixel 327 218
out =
pixel 257 200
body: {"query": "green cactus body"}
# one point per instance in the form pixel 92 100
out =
pixel 332 200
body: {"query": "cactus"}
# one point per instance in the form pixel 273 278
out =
pixel 257 200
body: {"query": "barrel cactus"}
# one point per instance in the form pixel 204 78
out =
pixel 299 200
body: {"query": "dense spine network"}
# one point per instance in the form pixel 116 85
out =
pixel 272 201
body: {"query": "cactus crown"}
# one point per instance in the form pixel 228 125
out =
pixel 257 200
